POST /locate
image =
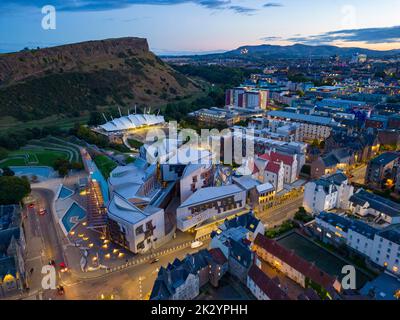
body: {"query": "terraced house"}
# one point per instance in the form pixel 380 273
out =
pixel 299 270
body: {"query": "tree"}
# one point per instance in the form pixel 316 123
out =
pixel 62 166
pixel 95 119
pixel 13 189
pixel 7 172
pixel 3 153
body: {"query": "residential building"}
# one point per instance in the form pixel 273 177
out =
pixel 380 245
pixel 247 98
pixel 339 229
pixel 210 203
pixel 240 259
pixel 384 287
pixel 12 251
pixel 259 196
pixel 299 270
pixel 327 193
pixel 338 159
pixel 311 127
pixel 183 279
pixel 275 161
pixel 262 287
pixel 252 226
pixel 383 210
pixel 386 249
pixel 382 168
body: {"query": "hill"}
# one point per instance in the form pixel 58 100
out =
pixel 69 79
pixel 293 51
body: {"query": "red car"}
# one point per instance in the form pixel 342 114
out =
pixel 63 267
pixel 31 206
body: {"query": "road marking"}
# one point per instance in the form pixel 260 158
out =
pixel 33 259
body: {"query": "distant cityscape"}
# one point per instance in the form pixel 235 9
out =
pixel 242 175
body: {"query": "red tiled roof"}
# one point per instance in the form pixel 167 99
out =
pixel 265 157
pixel 255 169
pixel 310 270
pixel 272 167
pixel 268 286
pixel 218 256
pixel 278 157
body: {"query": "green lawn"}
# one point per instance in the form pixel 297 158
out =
pixel 105 165
pixel 33 158
pixel 134 143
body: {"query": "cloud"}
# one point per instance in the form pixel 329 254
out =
pixel 243 10
pixel 271 39
pixel 367 35
pixel 104 5
pixel 272 5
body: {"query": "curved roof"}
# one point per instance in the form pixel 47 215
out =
pixel 132 121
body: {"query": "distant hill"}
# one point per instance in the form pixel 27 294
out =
pixel 294 51
pixel 76 77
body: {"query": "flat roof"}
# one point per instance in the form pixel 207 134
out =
pixel 302 117
pixel 211 193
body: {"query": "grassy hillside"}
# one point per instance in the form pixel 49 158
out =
pixel 72 80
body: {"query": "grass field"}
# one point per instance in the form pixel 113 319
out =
pixel 105 165
pixel 32 158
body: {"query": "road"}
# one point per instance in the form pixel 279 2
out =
pixel 43 244
pixel 276 216
pixel 134 283
pixel 359 174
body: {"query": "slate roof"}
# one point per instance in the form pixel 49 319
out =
pixel 383 287
pixel 7 266
pixel 309 270
pixel 240 251
pixel 248 221
pixel 267 285
pixel 302 118
pixel 330 160
pixel 385 158
pixel 345 224
pixel 376 202
pixel 391 233
pixel 177 272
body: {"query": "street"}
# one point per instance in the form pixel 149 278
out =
pixel 276 216
pixel 43 244
pixel 359 174
pixel 135 282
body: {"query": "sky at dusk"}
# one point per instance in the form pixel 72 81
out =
pixel 182 26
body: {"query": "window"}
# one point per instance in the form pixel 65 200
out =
pixel 139 230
